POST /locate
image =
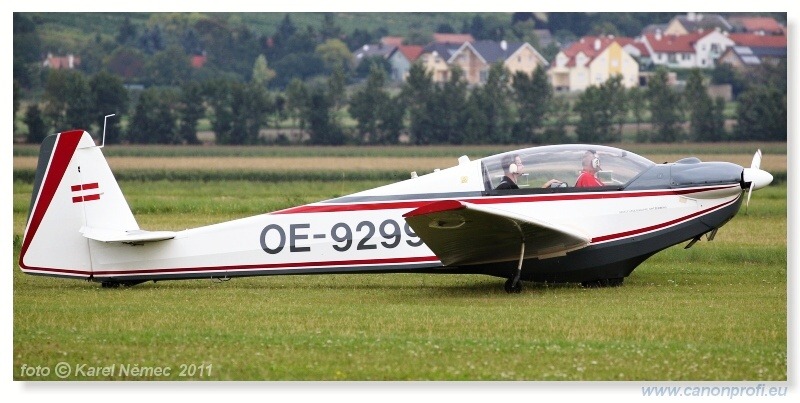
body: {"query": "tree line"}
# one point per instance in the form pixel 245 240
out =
pixel 306 77
pixel 508 108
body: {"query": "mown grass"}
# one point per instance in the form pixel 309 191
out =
pixel 714 312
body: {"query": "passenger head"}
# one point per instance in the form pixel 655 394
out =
pixel 590 161
pixel 512 164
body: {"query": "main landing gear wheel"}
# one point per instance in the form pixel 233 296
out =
pixel 604 282
pixel 513 287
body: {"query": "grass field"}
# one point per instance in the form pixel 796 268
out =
pixel 717 311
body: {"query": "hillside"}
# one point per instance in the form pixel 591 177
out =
pixel 63 32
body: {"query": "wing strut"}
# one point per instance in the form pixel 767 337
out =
pixel 513 285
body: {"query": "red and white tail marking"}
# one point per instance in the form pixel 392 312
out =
pixel 83 196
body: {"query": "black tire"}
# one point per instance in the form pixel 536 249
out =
pixel 512 288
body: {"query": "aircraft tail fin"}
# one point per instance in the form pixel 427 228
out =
pixel 74 193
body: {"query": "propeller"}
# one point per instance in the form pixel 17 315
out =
pixel 754 175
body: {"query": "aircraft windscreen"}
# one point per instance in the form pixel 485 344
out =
pixel 563 164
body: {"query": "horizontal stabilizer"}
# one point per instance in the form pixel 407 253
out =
pixel 133 236
pixel 462 233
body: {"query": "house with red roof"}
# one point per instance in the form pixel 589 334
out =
pixel 392 40
pixel 593 60
pixel 755 40
pixel 696 49
pixel 198 61
pixel 401 59
pixel 61 62
pixel 452 38
pixel 754 49
pixel 757 25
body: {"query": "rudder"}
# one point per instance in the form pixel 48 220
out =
pixel 73 190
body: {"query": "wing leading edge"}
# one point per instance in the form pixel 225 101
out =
pixel 462 233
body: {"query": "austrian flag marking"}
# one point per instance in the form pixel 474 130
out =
pixel 80 193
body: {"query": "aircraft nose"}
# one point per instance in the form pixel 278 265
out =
pixel 759 178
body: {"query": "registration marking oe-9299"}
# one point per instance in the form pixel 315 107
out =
pixel 364 235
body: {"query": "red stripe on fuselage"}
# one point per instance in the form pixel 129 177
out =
pixel 65 147
pixel 414 204
pixel 625 234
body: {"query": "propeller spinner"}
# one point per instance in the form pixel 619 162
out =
pixel 755 176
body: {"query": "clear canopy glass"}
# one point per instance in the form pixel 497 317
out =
pixel 564 164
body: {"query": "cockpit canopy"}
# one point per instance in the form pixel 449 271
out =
pixel 564 163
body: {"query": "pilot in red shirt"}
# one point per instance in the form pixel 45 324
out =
pixel 591 165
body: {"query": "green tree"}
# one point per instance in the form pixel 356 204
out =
pixel 301 65
pixel 190 110
pixel 702 125
pixel 665 109
pixel 594 124
pixel 127 33
pixel 336 88
pixel 718 117
pixel 26 51
pixel 322 127
pixel 724 73
pixel 329 29
pixel 262 74
pixel 219 94
pixel 126 62
pixel 250 106
pixel 68 100
pixel 448 109
pixel 533 95
pixel 37 129
pixel 560 110
pixel 636 100
pixel 335 54
pixel 617 100
pixel 154 120
pixel 762 115
pixel 297 96
pixel 416 95
pixel 379 116
pixel 17 94
pixel 168 67
pixel 365 66
pixel 600 108
pixel 489 118
pixel 110 96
